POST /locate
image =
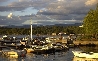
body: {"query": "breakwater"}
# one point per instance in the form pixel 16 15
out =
pixel 85 42
pixel 77 42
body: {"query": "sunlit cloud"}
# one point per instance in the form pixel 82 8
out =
pixel 10 15
pixel 42 11
pixel 60 0
pixel 91 2
pixel 24 0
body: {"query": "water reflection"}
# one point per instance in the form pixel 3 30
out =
pixel 57 56
pixel 11 59
pixel 89 49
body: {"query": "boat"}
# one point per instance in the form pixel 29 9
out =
pixel 70 43
pixel 30 48
pixel 9 41
pixel 40 49
pixel 58 46
pixel 37 44
pixel 6 37
pixel 13 53
pixel 1 47
pixel 85 54
pixel 83 59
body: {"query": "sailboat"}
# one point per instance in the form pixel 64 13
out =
pixel 30 49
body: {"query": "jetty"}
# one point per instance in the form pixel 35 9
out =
pixel 79 42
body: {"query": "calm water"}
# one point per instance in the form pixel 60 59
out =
pixel 58 56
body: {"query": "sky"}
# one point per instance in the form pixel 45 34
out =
pixel 44 12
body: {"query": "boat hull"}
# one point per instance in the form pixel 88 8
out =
pixel 14 53
pixel 85 54
pixel 84 59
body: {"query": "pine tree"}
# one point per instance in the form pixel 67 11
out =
pixel 90 22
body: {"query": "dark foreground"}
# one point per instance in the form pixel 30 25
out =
pixel 66 55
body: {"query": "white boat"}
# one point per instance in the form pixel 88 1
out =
pixel 84 59
pixel 40 49
pixel 85 54
pixel 14 53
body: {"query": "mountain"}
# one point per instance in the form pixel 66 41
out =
pixel 28 26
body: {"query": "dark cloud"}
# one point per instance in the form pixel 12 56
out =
pixel 3 1
pixel 23 4
pixel 37 4
pixel 10 21
pixel 48 10
pixel 17 20
pixel 66 10
pixel 5 8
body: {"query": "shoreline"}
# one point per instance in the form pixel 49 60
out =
pixel 85 42
pixel 78 42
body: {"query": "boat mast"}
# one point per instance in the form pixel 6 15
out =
pixel 31 30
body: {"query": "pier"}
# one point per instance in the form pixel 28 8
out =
pixel 85 42
pixel 78 42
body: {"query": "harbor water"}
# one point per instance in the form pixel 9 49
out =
pixel 65 55
pixel 57 56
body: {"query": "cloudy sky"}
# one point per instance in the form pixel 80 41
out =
pixel 46 12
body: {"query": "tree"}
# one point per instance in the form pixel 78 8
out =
pixel 90 22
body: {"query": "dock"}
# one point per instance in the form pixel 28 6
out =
pixel 78 42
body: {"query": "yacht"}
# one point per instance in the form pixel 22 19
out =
pixel 85 54
pixel 83 59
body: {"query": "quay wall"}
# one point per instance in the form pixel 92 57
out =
pixel 77 42
pixel 85 42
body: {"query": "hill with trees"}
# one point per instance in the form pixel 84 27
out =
pixel 90 24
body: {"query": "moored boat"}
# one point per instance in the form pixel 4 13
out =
pixel 85 54
pixel 59 46
pixel 14 53
pixel 30 48
pixel 40 49
pixel 84 59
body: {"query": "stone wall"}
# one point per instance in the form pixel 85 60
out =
pixel 85 42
